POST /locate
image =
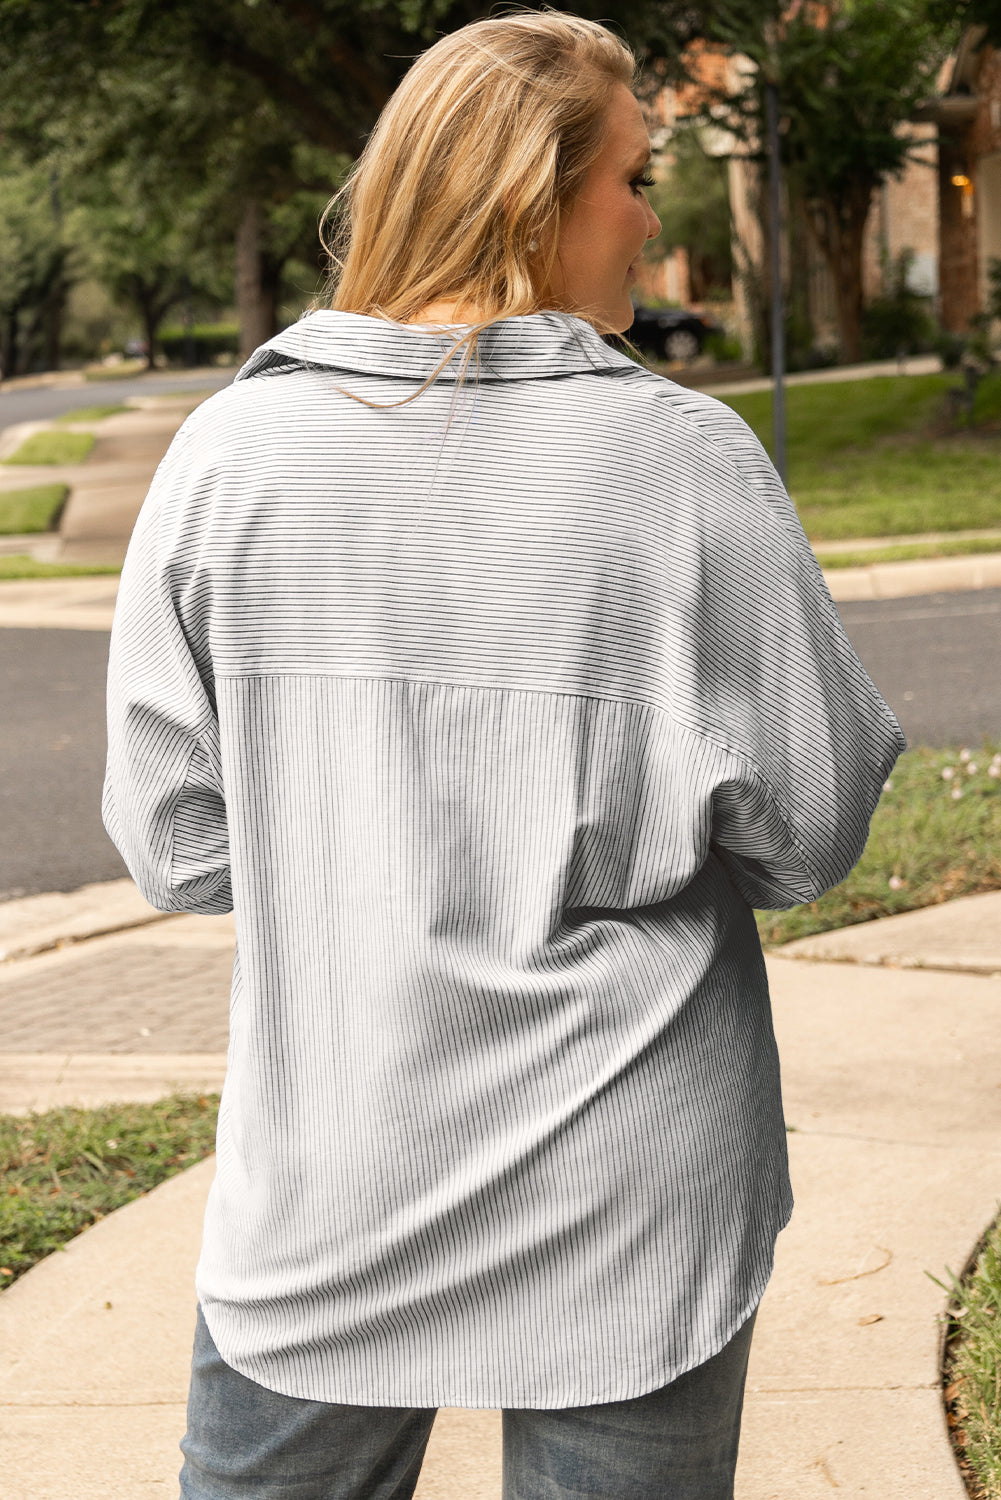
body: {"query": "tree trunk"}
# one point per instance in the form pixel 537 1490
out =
pixel 9 346
pixel 252 305
pixel 54 326
pixel 272 267
pixel 151 316
pixel 33 343
pixel 840 232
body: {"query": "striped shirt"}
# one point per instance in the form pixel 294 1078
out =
pixel 491 716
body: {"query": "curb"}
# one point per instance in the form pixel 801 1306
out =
pixel 38 924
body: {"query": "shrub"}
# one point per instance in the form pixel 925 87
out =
pixel 899 322
pixel 208 341
pixel 724 348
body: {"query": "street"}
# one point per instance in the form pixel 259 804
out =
pixel 38 404
pixel 933 657
pixel 935 660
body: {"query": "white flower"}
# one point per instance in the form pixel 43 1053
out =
pixel 888 784
pixel 964 756
pixel 971 769
pixel 993 770
pixel 110 1145
pixel 895 883
pixel 948 772
pixel 957 792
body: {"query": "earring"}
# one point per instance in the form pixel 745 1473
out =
pixel 533 245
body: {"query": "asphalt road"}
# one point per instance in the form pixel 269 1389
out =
pixel 39 405
pixel 934 658
pixel 52 748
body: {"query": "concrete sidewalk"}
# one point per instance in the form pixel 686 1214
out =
pixel 107 491
pixel 894 1114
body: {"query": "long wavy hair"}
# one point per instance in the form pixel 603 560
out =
pixel 462 187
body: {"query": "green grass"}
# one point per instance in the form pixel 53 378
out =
pixel 908 552
pixel 91 413
pixel 930 844
pixel 124 371
pixel 67 1168
pixel 973 1370
pixel 880 457
pixel 33 509
pixel 53 447
pixel 19 565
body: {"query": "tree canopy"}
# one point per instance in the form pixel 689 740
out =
pixel 245 113
pixel 848 77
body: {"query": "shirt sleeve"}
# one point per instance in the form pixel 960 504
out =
pixel 773 679
pixel 164 805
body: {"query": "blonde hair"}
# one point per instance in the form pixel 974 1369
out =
pixel 480 152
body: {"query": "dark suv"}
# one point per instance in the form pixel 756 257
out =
pixel 671 332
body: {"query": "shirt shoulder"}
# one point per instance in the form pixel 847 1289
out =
pixel 717 432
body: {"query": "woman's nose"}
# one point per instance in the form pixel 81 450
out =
pixel 653 227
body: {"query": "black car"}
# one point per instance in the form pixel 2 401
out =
pixel 671 332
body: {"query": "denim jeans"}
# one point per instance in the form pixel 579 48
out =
pixel 247 1443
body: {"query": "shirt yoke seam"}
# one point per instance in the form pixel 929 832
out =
pixel 475 687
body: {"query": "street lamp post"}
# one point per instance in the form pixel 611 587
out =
pixel 775 257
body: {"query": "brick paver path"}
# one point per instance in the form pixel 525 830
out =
pixel 118 995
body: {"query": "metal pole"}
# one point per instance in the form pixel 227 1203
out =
pixel 778 307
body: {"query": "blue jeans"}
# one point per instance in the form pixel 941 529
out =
pixel 247 1443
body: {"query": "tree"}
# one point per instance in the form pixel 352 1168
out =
pixel 232 92
pixel 152 250
pixel 849 74
pixel 986 13
pixel 692 201
pixel 328 66
pixel 267 100
pixel 35 267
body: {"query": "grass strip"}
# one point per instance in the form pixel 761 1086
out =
pixel 936 834
pixel 973 1370
pixel 53 447
pixel 123 371
pixel 908 552
pixel 65 1169
pixel 884 457
pixel 34 509
pixel 18 565
pixel 90 414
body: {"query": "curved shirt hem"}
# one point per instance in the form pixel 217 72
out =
pixel 658 1376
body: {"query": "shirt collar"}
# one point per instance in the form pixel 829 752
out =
pixel 536 346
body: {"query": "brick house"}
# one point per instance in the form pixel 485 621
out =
pixel 945 207
pixel 967 114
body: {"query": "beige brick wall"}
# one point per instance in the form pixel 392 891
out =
pixel 971 217
pixel 904 215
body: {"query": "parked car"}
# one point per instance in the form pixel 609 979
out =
pixel 673 333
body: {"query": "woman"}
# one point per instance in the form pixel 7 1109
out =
pixel 490 680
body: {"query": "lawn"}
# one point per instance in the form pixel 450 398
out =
pixel 883 457
pixel 973 1370
pixel 91 414
pixel 35 509
pixel 19 565
pixel 125 370
pixel 935 834
pixel 53 447
pixel 67 1168
pixel 864 557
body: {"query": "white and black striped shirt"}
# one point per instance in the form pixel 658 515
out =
pixel 491 716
